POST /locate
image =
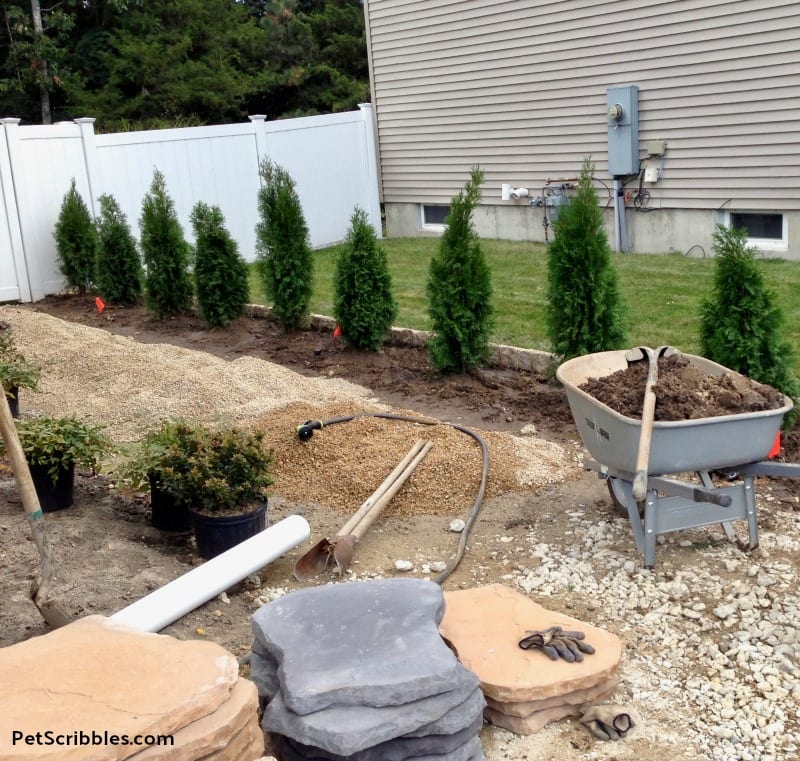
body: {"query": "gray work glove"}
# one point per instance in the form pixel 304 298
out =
pixel 556 643
pixel 607 722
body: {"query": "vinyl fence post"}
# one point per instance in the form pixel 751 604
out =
pixel 8 145
pixel 259 122
pixel 91 165
pixel 371 168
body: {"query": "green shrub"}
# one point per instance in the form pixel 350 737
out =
pixel 118 268
pixel 584 309
pixel 459 288
pixel 740 324
pixel 166 254
pixel 76 241
pixel 363 304
pixel 282 247
pixel 220 273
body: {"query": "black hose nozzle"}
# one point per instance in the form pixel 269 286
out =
pixel 306 430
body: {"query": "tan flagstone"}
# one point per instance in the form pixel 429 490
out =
pixel 95 675
pixel 246 745
pixel 578 697
pixel 484 627
pixel 532 723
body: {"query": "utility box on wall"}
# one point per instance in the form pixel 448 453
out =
pixel 623 130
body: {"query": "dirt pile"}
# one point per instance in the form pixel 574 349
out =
pixel 683 391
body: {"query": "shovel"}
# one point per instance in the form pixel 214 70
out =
pixel 648 412
pixel 51 611
pixel 342 547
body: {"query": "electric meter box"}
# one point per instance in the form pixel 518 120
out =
pixel 623 130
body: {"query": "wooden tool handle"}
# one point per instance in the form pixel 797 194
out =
pixel 645 437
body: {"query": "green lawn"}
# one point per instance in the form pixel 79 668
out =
pixel 662 292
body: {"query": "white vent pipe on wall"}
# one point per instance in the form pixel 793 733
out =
pixel 181 596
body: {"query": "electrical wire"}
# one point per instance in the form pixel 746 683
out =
pixel 306 430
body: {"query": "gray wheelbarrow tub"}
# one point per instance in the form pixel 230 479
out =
pixel 677 446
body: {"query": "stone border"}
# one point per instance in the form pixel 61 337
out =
pixel 501 355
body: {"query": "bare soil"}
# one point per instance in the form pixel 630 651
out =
pixel 111 556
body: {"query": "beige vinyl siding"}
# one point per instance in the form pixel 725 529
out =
pixel 520 88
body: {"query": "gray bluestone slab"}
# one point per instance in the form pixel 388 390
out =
pixel 264 674
pixel 345 730
pixel 455 719
pixel 468 751
pixel 400 748
pixel 368 643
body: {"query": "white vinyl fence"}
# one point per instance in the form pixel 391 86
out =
pixel 331 159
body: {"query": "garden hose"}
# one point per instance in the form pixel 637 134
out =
pixel 306 430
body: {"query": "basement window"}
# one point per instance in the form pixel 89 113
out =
pixel 434 215
pixel 765 230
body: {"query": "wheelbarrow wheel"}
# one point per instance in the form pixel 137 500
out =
pixel 619 495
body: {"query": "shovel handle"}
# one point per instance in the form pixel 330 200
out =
pixel 645 437
pixel 367 520
pixel 368 503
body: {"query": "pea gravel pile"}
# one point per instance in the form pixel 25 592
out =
pixel 130 386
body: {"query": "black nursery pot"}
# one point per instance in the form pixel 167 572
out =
pixel 12 396
pixel 53 496
pixel 166 512
pixel 215 533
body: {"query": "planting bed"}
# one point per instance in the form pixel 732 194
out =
pixel 710 661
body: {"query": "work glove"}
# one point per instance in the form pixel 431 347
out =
pixel 607 722
pixel 557 643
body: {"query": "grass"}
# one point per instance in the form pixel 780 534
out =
pixel 662 293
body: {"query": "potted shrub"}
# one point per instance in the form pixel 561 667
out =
pixel 15 371
pixel 141 470
pixel 53 447
pixel 222 475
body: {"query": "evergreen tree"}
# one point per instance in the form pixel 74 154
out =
pixel 584 309
pixel 740 324
pixel 363 303
pixel 459 288
pixel 282 247
pixel 118 268
pixel 76 241
pixel 168 285
pixel 220 273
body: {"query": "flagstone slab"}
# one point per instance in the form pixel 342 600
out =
pixel 245 745
pixel 212 733
pixel 399 748
pixel 96 675
pixel 468 751
pixel 533 722
pixel 264 673
pixel 345 730
pixel 369 643
pixel 579 697
pixel 484 626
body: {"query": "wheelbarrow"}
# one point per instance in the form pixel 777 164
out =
pixel 734 444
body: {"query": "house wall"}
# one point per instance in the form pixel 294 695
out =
pixel 331 158
pixel 520 89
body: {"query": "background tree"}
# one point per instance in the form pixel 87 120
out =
pixel 76 241
pixel 118 269
pixel 584 309
pixel 282 247
pixel 220 273
pixel 459 288
pixel 166 254
pixel 740 324
pixel 170 63
pixel 363 303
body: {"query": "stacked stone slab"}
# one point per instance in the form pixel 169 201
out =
pixel 524 689
pixel 95 679
pixel 358 671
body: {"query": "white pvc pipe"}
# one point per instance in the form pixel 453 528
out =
pixel 181 596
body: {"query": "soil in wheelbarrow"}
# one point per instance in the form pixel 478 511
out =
pixel 683 391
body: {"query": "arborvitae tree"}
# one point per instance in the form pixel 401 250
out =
pixel 585 313
pixel 282 247
pixel 459 288
pixel 166 254
pixel 363 303
pixel 118 269
pixel 220 273
pixel 76 241
pixel 740 324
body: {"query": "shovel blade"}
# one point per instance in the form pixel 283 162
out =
pixel 315 561
pixel 344 548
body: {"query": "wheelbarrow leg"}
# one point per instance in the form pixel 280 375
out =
pixel 650 507
pixel 750 509
pixel 727 526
